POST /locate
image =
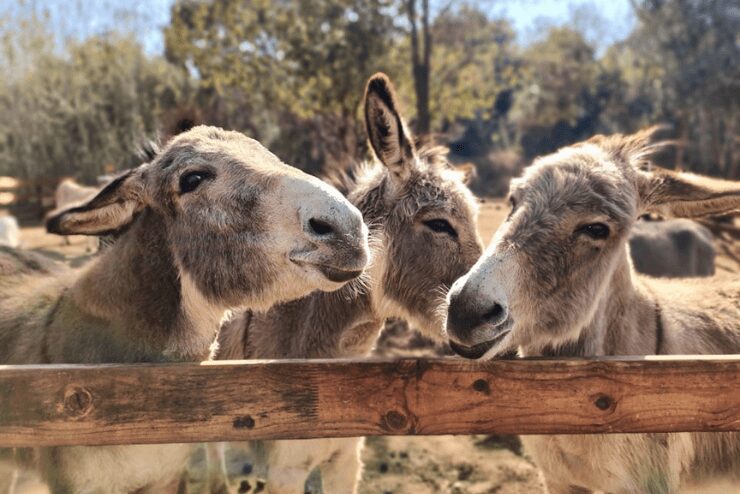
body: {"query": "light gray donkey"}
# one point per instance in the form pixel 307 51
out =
pixel 557 280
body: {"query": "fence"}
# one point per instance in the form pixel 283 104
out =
pixel 219 401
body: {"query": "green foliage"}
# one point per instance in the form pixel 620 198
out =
pixel 561 74
pixel 297 69
pixel 564 93
pixel 474 61
pixel 291 74
pixel 293 64
pixel 690 49
pixel 82 112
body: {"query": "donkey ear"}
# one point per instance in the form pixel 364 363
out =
pixel 667 192
pixel 111 209
pixel 687 195
pixel 386 130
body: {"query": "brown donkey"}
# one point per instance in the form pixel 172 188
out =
pixel 422 221
pixel 215 222
pixel 557 281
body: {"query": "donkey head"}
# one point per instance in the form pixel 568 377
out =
pixel 242 227
pixel 425 213
pixel 542 278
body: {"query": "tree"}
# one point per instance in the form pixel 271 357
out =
pixel 421 56
pixel 691 46
pixel 296 69
pixel 564 93
pixel 83 111
pixel 477 69
pixel 426 34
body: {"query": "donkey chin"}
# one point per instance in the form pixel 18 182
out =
pixel 337 270
pixel 483 342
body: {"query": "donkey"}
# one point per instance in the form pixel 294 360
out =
pixel 69 192
pixel 215 222
pixel 19 261
pixel 675 248
pixel 10 232
pixel 557 280
pixel 422 220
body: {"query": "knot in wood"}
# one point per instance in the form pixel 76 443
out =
pixel 77 402
pixel 482 386
pixel 603 402
pixel 394 420
pixel 244 422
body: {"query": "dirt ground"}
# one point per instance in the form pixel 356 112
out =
pixel 447 464
pixel 402 465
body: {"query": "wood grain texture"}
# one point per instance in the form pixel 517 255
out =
pixel 218 401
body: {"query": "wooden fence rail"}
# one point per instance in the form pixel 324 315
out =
pixel 218 401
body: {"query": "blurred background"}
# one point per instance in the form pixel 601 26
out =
pixel 497 81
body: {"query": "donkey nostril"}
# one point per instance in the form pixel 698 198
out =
pixel 495 315
pixel 320 227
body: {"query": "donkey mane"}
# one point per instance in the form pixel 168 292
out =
pixel 148 149
pixel 347 180
pixel 637 148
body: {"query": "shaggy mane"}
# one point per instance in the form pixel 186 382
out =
pixel 429 153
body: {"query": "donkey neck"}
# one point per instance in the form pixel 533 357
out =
pixel 316 326
pixel 624 320
pixel 138 290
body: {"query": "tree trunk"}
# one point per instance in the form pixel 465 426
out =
pixel 420 63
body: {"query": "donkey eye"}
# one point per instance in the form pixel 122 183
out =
pixel 441 226
pixel 190 181
pixel 598 231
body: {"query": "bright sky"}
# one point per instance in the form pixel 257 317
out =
pixel 602 21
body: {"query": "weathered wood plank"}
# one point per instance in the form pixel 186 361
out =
pixel 119 404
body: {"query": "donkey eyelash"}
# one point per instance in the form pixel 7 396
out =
pixel 596 231
pixel 191 180
pixel 440 225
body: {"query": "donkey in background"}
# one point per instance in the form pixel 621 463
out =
pixel 675 248
pixel 557 281
pixel 422 219
pixel 10 232
pixel 215 222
